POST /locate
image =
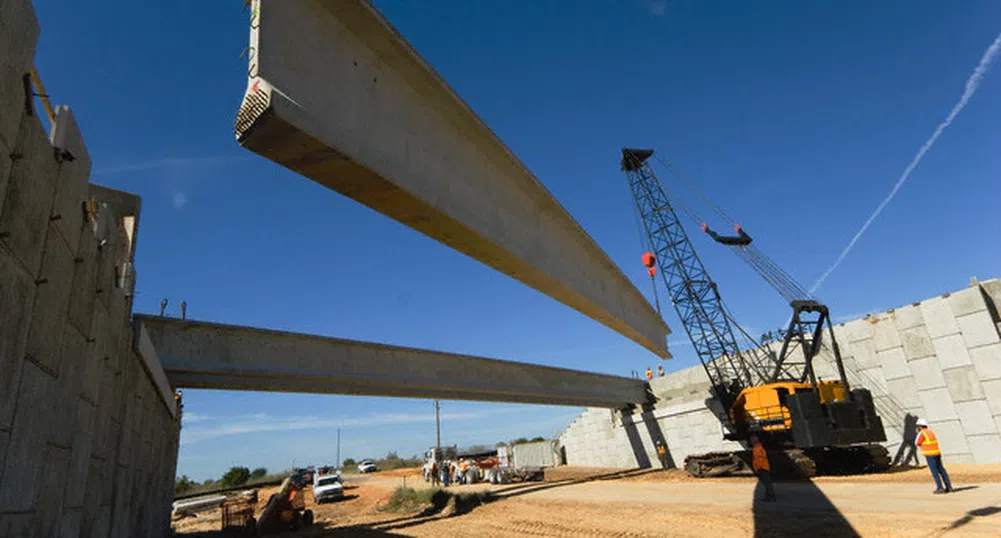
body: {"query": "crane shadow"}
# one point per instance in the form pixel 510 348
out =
pixel 979 512
pixel 801 509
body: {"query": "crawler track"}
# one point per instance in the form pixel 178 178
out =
pixel 794 463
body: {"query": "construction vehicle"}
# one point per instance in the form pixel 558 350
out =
pixel 808 426
pixel 286 509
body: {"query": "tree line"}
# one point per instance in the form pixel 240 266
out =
pixel 234 477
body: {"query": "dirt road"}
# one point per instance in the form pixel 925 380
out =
pixel 659 503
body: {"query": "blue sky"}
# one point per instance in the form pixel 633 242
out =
pixel 796 119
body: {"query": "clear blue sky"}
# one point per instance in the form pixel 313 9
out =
pixel 796 119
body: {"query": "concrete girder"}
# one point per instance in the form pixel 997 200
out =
pixel 337 95
pixel 215 356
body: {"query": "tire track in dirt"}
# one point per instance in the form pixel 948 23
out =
pixel 538 528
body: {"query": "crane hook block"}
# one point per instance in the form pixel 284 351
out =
pixel 652 271
pixel 740 240
pixel 649 260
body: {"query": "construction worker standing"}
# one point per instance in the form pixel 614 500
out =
pixel 928 444
pixel 759 461
pixel 661 452
pixel 649 374
pixel 660 370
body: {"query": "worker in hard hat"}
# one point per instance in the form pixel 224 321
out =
pixel 928 443
pixel 661 452
pixel 660 370
pixel 649 374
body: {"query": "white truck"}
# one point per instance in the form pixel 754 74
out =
pixel 327 487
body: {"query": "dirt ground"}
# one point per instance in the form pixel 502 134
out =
pixel 641 503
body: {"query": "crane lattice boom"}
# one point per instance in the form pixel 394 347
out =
pixel 693 293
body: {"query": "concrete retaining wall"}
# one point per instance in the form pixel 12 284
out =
pixel 939 359
pixel 87 445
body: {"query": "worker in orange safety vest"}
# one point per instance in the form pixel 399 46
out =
pixel 649 374
pixel 759 462
pixel 928 443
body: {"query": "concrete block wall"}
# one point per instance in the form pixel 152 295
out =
pixel 939 359
pixel 682 417
pixel 87 444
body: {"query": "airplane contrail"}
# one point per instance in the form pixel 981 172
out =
pixel 972 84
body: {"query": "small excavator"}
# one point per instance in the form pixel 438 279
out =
pixel 808 426
pixel 286 509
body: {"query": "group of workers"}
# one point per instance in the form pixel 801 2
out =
pixel 649 372
pixel 925 440
pixel 450 472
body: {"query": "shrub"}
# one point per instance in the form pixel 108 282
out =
pixel 432 500
pixel 258 473
pixel 415 500
pixel 235 476
pixel 183 485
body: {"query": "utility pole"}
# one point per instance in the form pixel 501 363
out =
pixel 338 448
pixel 437 428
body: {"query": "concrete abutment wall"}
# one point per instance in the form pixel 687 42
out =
pixel 87 445
pixel 939 359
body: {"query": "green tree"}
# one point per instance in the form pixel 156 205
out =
pixel 500 444
pixel 183 485
pixel 535 439
pixel 392 456
pixel 258 473
pixel 235 476
pixel 349 462
pixel 519 441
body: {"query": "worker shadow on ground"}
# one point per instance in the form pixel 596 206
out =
pixel 801 508
pixel 963 488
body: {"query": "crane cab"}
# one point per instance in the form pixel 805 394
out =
pixel 805 416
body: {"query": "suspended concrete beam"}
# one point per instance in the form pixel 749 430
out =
pixel 214 356
pixel 337 95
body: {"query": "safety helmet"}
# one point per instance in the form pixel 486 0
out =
pixel 922 423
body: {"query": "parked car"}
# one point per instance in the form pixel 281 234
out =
pixel 366 466
pixel 302 477
pixel 327 488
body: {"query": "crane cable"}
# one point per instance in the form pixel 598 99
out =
pixel 778 278
pixel 691 186
pixel 647 243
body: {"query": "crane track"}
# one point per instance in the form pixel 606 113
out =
pixel 794 463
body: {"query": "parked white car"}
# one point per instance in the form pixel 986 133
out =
pixel 366 466
pixel 327 488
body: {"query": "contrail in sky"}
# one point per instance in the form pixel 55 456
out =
pixel 971 87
